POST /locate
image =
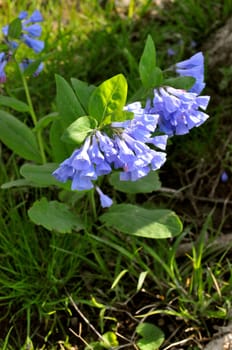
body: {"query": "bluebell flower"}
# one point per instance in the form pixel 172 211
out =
pixel 34 44
pixel 105 200
pixel 30 31
pixel 84 165
pixel 193 67
pixel 26 62
pixel 135 156
pixel 179 111
pixel 35 17
pixel 3 62
pixel 127 150
pixel 171 52
pixel 224 176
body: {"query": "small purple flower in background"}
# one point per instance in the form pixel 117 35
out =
pixel 3 62
pixel 26 62
pixel 193 67
pixel 178 110
pixel 171 52
pixel 224 176
pixel 193 44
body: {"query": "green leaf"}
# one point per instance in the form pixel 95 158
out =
pixel 18 137
pixel 156 78
pixel 59 149
pixel 108 98
pixel 138 221
pixel 146 184
pixel 41 175
pixel 184 83
pixel 109 340
pixel 14 104
pixel 17 183
pixel 54 216
pixel 69 108
pixel 83 92
pixel 77 132
pixel 149 74
pixel 121 116
pixel 152 336
pixel 15 29
pixel 45 121
pixel 141 280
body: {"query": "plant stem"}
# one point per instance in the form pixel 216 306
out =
pixel 33 115
pixel 93 204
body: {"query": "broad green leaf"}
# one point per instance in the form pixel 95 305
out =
pixel 18 137
pixel 15 29
pixel 146 184
pixel 14 103
pixel 108 98
pixel 60 150
pixel 152 336
pixel 147 63
pixel 40 175
pixel 83 92
pixel 77 132
pixel 45 121
pixel 54 216
pixel 156 78
pixel 138 221
pixel 69 108
pixel 184 83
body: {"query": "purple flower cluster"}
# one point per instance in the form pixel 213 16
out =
pixel 178 110
pixel 126 150
pixel 132 146
pixel 31 30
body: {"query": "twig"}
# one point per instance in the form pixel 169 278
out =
pixel 86 320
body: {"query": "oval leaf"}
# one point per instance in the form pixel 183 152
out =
pixel 40 175
pixel 138 221
pixel 108 98
pixel 147 62
pixel 77 132
pixel 146 184
pixel 68 106
pixel 54 216
pixel 18 137
pixel 184 83
pixel 152 336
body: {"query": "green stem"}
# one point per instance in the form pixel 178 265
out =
pixel 93 204
pixel 33 115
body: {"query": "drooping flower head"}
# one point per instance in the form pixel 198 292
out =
pixel 31 30
pixel 178 110
pixel 127 150
pixel 193 67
